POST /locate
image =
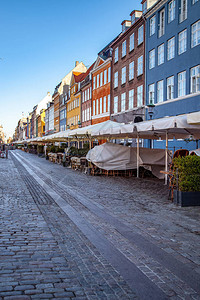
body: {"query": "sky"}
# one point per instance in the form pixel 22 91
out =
pixel 40 40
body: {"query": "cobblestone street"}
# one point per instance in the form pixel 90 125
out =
pixel 67 235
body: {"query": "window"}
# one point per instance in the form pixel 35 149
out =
pixel 83 96
pixel 94 108
pixel 162 23
pixel 140 34
pixel 131 99
pixel 151 93
pixel 195 38
pixel 97 81
pixel 108 103
pixel 182 41
pixel 171 11
pixel 97 106
pixel 144 7
pixel 101 79
pixel 116 79
pixel 195 79
pixel 131 70
pixel 140 66
pixel 105 76
pixel 194 1
pixel 182 84
pixel 170 88
pixel 123 75
pixel 116 55
pixel 152 25
pixel 131 42
pixel 115 104
pixel 104 104
pixel 183 10
pixel 161 54
pixel 171 48
pixel 94 81
pixel 133 19
pixel 123 102
pixel 140 95
pixel 109 74
pixel 152 59
pixel 123 48
pixel 90 93
pixel 101 107
pixel 160 91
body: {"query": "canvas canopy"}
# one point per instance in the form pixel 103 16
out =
pixel 109 156
pixel 196 151
pixel 194 118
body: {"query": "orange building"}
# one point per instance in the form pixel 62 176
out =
pixel 101 87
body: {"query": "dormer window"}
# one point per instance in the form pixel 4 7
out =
pixel 123 27
pixel 144 7
pixel 133 19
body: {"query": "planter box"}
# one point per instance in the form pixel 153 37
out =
pixel 185 199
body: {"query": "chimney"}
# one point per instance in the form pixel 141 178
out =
pixel 76 63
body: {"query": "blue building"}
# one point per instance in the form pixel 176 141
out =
pixel 173 59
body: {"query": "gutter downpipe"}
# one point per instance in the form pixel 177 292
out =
pixel 166 157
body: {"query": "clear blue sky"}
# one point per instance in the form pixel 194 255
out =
pixel 40 41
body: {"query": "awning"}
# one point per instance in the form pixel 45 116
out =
pixel 194 118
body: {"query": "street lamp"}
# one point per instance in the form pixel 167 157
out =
pixel 150 109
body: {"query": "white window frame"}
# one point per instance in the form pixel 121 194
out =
pixel 140 65
pixel 182 84
pixel 140 96
pixel 123 75
pixel 131 70
pixel 161 30
pixel 171 11
pixel 124 48
pixel 104 104
pixel 195 79
pixel 115 80
pixel 140 34
pixel 100 106
pixel 101 78
pixel 116 104
pixel 108 103
pixel 109 74
pixel 171 48
pixel 123 101
pixel 195 34
pixel 152 59
pixel 94 104
pixel 183 11
pixel 160 91
pixel 97 81
pixel 170 88
pixel 161 54
pixel 131 42
pixel 116 57
pixel 131 99
pixel 97 106
pixel 152 93
pixel 152 25
pixel 105 77
pixel 182 41
pixel 94 82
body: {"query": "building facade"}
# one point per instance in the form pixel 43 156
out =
pixel 101 86
pixel 86 98
pixel 173 57
pixel 128 71
pixel 56 100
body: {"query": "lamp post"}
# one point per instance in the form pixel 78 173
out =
pixel 151 109
pixel 150 112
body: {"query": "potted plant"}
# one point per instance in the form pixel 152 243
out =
pixel 188 186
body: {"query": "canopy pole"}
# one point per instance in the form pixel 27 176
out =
pixel 138 149
pixel 166 157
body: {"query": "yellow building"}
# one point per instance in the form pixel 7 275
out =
pixel 74 102
pixel 41 123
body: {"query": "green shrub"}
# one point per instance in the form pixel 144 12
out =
pixel 188 173
pixel 40 149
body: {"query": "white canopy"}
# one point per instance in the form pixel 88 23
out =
pixel 194 118
pixel 176 127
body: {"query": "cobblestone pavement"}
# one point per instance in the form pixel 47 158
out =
pixel 68 235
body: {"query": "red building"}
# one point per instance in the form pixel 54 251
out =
pixel 128 71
